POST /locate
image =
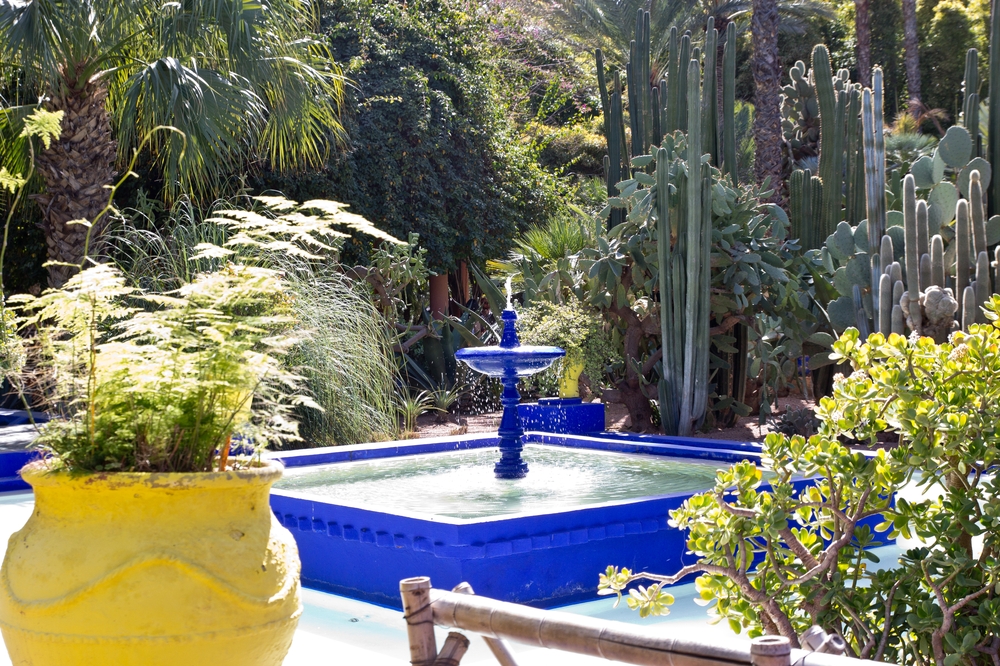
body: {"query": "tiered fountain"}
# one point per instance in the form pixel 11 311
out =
pixel 509 361
pixel 368 515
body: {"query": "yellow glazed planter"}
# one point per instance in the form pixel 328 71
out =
pixel 569 381
pixel 149 570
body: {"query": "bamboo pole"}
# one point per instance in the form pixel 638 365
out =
pixel 770 651
pixel 419 618
pixel 615 641
pixel 454 648
pixel 497 647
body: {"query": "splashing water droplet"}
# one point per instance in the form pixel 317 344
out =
pixel 510 292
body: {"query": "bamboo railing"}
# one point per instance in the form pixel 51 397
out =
pixel 496 621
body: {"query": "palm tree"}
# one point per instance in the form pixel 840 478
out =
pixel 911 45
pixel 242 80
pixel 767 92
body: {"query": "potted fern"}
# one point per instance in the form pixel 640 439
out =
pixel 151 543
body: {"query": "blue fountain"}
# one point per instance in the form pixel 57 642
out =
pixel 509 361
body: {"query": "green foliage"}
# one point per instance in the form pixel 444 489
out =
pixel 410 406
pixel 947 34
pixel 779 558
pixel 343 355
pixel 431 151
pixel 153 381
pixel 162 389
pixel 574 327
pixel 240 81
pixel 571 149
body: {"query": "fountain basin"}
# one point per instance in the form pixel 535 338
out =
pixel 543 556
pixel 520 361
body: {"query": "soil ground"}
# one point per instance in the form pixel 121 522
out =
pixel 616 418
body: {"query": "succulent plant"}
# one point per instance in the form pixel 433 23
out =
pixel 801 421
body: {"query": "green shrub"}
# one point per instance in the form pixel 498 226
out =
pixel 574 327
pixel 432 149
pixel 939 602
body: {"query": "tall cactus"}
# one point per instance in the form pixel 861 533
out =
pixel 832 110
pixel 855 175
pixel 874 149
pixel 970 103
pixel 696 314
pixel 912 249
pixel 963 252
pixel 994 131
pixel 669 341
pixel 710 100
pixel 673 92
pixel 729 104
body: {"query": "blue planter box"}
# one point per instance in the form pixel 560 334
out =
pixel 569 416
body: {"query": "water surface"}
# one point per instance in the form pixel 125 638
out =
pixel 460 484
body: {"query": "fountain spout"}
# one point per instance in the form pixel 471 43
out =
pixel 509 339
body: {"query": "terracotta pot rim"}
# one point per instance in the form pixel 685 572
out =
pixel 39 474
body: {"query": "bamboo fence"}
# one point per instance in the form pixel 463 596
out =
pixel 497 621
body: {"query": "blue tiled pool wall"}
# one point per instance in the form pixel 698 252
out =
pixel 543 559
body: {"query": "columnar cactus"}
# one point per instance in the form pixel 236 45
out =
pixel 710 102
pixel 696 317
pixel 729 104
pixel 970 103
pixel 912 248
pixel 874 149
pixel 994 131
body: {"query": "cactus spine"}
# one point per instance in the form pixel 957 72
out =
pixel 729 104
pixel 855 160
pixel 968 308
pixel 977 211
pixel 673 94
pixel 885 304
pixel 832 110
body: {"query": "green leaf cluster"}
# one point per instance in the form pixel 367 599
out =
pixel 778 558
pixel 150 381
pixel 432 150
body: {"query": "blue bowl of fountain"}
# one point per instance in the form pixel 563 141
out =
pixel 519 361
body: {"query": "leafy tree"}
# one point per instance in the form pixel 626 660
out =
pixel 940 601
pixel 947 33
pixel 431 149
pixel 241 80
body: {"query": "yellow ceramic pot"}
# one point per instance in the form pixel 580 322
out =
pixel 569 381
pixel 150 570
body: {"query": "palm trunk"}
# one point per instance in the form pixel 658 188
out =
pixel 75 170
pixel 767 93
pixel 911 44
pixel 863 29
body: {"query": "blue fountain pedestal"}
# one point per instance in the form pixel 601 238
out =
pixel 509 361
pixel 564 416
pixel 510 465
